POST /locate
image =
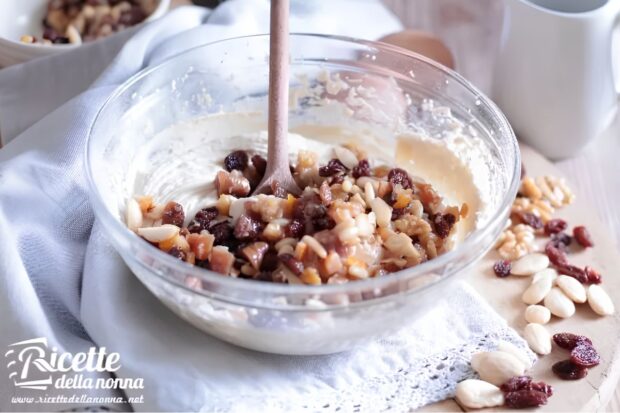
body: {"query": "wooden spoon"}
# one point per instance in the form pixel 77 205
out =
pixel 278 171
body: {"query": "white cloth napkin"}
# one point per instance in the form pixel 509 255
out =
pixel 61 280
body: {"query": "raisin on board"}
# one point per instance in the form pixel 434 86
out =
pixel 567 370
pixel 502 268
pixel 523 399
pixel 583 237
pixel 554 226
pixel 585 355
pixel 569 341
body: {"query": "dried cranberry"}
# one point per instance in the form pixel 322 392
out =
pixel 554 226
pixel 542 387
pixel 177 253
pixel 585 355
pixel 236 160
pixel 248 228
pixel 361 169
pixel 260 164
pixel 202 219
pixel 443 224
pixel 569 341
pixel 573 271
pixel 556 255
pixel 398 176
pixel 582 236
pixel 397 213
pixel 292 263
pixel 502 268
pixel 173 214
pixel 530 219
pixel 333 167
pixel 594 277
pixel 561 240
pixel 295 229
pixel 516 383
pixel 567 370
pixel 522 399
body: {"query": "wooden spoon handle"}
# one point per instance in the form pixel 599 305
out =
pixel 278 86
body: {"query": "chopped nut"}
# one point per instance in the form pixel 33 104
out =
pixel 310 276
pixel 314 245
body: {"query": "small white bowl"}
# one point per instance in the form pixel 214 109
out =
pixel 24 17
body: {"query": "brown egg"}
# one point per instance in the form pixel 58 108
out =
pixel 423 43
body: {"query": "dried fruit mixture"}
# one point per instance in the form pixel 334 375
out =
pixel 353 220
pixel 77 21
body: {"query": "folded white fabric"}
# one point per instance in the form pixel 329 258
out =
pixel 60 279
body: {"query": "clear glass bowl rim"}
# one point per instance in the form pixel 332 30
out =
pixel 235 284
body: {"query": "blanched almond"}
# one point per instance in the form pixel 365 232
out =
pixel 572 288
pixel 497 367
pixel 508 347
pixel 537 314
pixel 530 264
pixel 599 300
pixel 159 234
pixel 476 394
pixel 345 156
pixel 538 338
pixel 134 214
pixel 537 291
pixel 546 273
pixel 559 304
pixel 382 211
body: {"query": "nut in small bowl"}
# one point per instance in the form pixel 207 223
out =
pixel 30 29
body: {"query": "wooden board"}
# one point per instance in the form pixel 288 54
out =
pixel 593 392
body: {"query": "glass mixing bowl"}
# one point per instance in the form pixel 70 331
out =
pixel 232 76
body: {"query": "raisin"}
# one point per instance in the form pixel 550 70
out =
pixel 248 228
pixel 397 213
pixel 585 355
pixel 398 176
pixel 292 263
pixel 556 255
pixel 336 179
pixel 263 276
pixel 530 219
pixel 569 341
pixel 319 224
pixel 561 240
pixel 222 232
pixel 582 236
pixel 202 219
pixel 443 224
pixel 522 399
pixel 236 160
pixel 594 277
pixel 295 229
pixel 361 169
pixel 567 370
pixel 333 167
pixel 177 253
pixel 554 226
pixel 516 383
pixel 270 261
pixel 502 268
pixel 573 271
pixel 260 164
pixel 173 214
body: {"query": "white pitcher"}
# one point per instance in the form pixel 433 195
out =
pixel 555 77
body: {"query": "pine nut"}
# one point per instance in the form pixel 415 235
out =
pixel 315 245
pixel 159 234
pixel 134 214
